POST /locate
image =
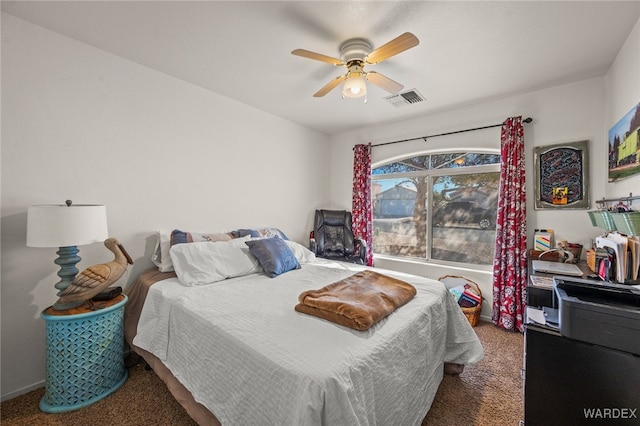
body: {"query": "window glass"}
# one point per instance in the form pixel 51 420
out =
pixel 408 165
pixel 464 217
pixel 399 224
pixel 439 207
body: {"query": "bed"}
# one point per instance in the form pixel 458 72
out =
pixel 236 352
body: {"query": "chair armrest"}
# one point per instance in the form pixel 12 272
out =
pixel 361 248
pixel 360 241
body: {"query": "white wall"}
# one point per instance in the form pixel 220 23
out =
pixel 79 123
pixel 623 94
pixel 570 112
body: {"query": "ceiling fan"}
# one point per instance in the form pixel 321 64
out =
pixel 355 53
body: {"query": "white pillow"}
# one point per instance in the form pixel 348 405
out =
pixel 209 262
pixel 240 242
pixel 161 256
pixel 301 253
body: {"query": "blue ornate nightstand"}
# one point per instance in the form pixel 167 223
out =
pixel 85 355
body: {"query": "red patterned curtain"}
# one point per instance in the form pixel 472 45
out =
pixel 362 211
pixel 510 261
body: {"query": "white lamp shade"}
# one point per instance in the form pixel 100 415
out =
pixel 66 226
pixel 354 86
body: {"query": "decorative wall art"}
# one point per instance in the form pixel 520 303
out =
pixel 624 146
pixel 562 176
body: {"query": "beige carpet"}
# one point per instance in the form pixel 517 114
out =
pixel 488 393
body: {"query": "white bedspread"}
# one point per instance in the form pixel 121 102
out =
pixel 244 353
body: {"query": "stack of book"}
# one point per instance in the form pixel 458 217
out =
pixel 466 296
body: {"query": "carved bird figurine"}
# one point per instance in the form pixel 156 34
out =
pixel 95 278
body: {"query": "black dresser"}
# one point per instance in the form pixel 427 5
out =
pixel 569 382
pixel 586 370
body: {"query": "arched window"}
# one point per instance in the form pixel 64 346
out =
pixel 437 207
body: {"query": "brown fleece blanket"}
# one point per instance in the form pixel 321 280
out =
pixel 358 301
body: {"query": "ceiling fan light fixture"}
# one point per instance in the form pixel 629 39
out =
pixel 354 85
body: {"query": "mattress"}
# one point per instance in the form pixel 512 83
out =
pixel 246 355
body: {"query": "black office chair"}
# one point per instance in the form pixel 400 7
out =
pixel 332 237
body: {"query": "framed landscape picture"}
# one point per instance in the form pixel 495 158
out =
pixel 561 174
pixel 624 146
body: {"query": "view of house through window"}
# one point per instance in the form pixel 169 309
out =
pixel 437 207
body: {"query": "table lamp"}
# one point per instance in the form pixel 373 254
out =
pixel 66 226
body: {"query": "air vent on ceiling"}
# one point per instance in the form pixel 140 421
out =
pixel 405 98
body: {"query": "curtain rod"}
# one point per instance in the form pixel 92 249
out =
pixel 526 120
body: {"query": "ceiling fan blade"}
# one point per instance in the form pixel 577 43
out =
pixel 384 82
pixel 395 46
pixel 317 56
pixel 329 86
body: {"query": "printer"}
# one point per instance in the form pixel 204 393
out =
pixel 600 313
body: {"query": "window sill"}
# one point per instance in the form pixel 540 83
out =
pixel 409 262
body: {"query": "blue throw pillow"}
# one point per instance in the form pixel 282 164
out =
pixel 274 255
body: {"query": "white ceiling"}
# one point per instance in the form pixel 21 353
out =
pixel 468 51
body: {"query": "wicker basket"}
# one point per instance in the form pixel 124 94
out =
pixel 472 314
